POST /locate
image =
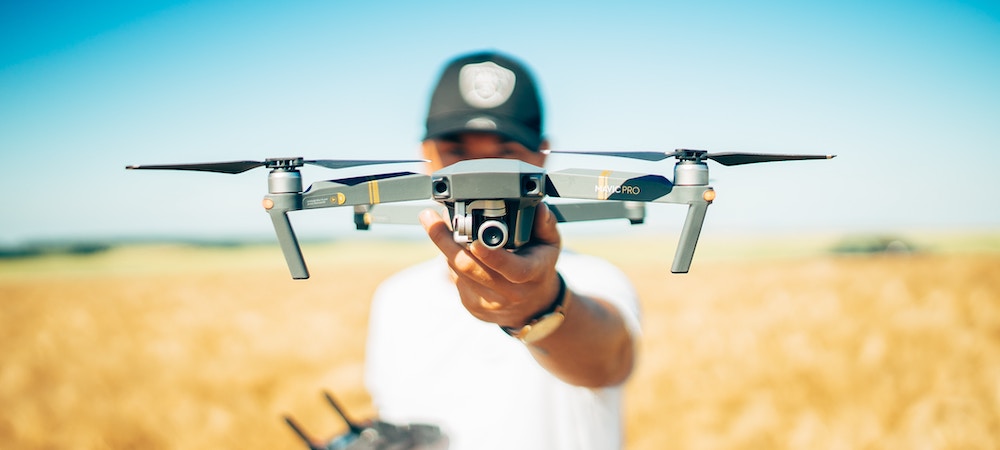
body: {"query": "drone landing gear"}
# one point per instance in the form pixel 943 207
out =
pixel 689 237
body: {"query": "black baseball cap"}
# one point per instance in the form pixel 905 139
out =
pixel 487 91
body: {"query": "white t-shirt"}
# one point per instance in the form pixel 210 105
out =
pixel 430 361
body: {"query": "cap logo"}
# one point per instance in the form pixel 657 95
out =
pixel 481 123
pixel 485 84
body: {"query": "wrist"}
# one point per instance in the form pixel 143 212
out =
pixel 545 322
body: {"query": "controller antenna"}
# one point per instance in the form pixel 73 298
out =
pixel 302 434
pixel 354 427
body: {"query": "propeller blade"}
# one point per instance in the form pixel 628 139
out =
pixel 737 158
pixel 724 158
pixel 233 167
pixel 220 167
pixel 344 163
pixel 646 156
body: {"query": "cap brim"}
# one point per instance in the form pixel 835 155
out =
pixel 483 123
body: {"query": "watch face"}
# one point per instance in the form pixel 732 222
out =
pixel 544 327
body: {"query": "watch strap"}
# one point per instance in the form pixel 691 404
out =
pixel 556 309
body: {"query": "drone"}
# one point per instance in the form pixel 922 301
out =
pixel 492 200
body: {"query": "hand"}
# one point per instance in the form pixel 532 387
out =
pixel 497 285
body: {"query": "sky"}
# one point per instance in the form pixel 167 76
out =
pixel 907 94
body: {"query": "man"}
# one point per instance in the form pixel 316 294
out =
pixel 449 340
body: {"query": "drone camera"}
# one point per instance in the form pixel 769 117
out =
pixel 485 220
pixel 492 230
pixel 493 233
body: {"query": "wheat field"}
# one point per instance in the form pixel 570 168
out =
pixel 172 347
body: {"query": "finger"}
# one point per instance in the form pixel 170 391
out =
pixel 545 229
pixel 437 229
pixel 476 298
pixel 489 305
pixel 529 262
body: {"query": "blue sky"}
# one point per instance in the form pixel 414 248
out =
pixel 906 93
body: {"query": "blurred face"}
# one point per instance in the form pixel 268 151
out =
pixel 451 149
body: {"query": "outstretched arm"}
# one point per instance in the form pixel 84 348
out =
pixel 592 347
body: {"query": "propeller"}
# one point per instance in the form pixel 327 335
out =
pixel 234 167
pixel 724 158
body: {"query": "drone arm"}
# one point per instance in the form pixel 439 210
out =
pixel 609 185
pixel 368 190
pixel 587 184
pixel 635 212
pixel 392 213
pixel 286 196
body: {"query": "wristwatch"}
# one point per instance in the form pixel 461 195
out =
pixel 546 322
